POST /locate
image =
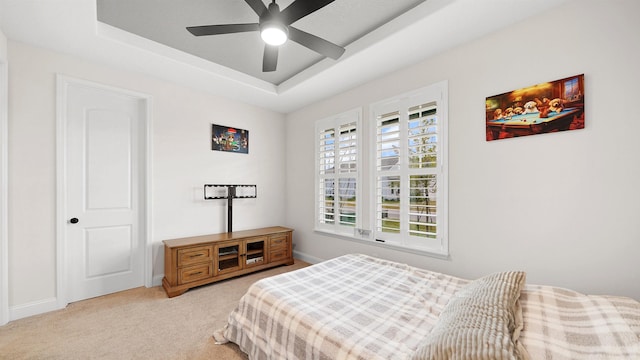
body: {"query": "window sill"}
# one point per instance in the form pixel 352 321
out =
pixel 423 252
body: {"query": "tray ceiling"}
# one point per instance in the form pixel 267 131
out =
pixel 149 37
pixel 164 21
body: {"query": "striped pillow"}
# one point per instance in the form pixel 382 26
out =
pixel 481 321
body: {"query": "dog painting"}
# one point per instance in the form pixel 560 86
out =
pixel 225 138
pixel 543 108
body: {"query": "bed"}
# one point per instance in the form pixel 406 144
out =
pixel 360 307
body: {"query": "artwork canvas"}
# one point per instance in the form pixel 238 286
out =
pixel 224 138
pixel 538 109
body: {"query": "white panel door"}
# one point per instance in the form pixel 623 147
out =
pixel 104 249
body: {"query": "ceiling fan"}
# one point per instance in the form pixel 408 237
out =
pixel 275 28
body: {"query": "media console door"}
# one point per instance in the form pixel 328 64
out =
pixel 227 257
pixel 200 260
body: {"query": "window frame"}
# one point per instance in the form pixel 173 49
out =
pixel 401 104
pixel 335 122
pixel 365 226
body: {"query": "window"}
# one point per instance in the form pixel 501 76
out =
pixel 571 88
pixel 410 194
pixel 407 162
pixel 338 173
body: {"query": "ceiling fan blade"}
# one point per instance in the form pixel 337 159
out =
pixel 222 29
pixel 315 43
pixel 257 6
pixel 270 59
pixel 301 8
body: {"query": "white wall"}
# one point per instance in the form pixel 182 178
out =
pixel 182 163
pixel 3 46
pixel 4 246
pixel 564 207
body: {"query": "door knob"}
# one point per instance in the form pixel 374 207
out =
pixel 73 220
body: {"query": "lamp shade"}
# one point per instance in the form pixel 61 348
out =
pixel 273 33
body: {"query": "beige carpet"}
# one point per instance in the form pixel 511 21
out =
pixel 134 324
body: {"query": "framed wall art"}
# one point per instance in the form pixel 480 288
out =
pixel 224 138
pixel 543 108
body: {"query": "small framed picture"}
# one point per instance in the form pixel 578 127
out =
pixel 225 138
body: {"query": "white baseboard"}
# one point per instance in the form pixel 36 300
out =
pixel 157 280
pixel 307 258
pixel 33 308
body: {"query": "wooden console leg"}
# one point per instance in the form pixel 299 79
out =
pixel 170 291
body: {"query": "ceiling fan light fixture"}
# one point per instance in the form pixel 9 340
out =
pixel 274 33
pixel 275 27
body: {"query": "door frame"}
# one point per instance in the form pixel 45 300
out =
pixel 62 84
pixel 4 192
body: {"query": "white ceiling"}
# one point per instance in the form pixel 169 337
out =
pixel 380 37
pixel 164 21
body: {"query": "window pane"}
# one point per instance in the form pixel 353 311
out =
pixel 571 88
pixel 348 148
pixel 326 156
pixel 388 142
pixel 347 201
pixel 388 204
pixel 422 137
pixel 326 201
pixel 337 160
pixel 422 205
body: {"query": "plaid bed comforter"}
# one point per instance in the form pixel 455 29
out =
pixel 563 324
pixel 360 307
pixel 350 307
